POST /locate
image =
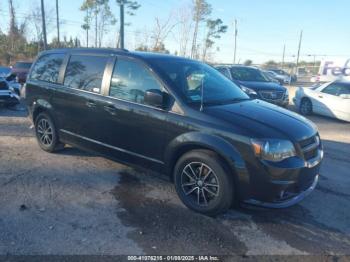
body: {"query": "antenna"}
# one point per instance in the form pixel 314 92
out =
pixel 202 94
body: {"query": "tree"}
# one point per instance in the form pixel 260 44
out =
pixel 161 49
pixel 248 62
pixel 201 10
pixel 101 12
pixel 185 25
pixel 106 19
pixel 161 31
pixel 215 29
pixel 270 63
pixel 87 25
pixel 35 23
pixel 13 30
pixel 131 7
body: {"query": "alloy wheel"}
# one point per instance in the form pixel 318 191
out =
pixel 305 107
pixel 45 132
pixel 199 183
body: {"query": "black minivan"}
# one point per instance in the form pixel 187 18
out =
pixel 176 116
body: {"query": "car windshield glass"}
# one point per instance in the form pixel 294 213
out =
pixel 248 74
pixel 22 65
pixel 189 77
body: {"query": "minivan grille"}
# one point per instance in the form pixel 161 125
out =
pixel 272 95
pixel 310 147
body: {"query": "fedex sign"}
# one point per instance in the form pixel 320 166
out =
pixel 336 69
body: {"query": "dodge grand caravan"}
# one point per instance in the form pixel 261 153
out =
pixel 176 116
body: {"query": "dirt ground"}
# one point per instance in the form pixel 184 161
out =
pixel 74 202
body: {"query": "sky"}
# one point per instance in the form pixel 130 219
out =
pixel 264 26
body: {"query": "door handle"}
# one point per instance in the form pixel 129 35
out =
pixel 90 103
pixel 110 109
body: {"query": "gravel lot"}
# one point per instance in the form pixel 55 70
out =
pixel 74 202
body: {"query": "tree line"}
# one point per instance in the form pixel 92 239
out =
pixel 25 35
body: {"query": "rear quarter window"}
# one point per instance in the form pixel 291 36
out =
pixel 85 72
pixel 47 68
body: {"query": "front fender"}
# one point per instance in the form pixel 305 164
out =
pixel 223 148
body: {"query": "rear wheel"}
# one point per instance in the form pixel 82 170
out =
pixel 203 182
pixel 305 107
pixel 46 133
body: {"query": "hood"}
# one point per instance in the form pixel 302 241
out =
pixel 264 120
pixel 258 86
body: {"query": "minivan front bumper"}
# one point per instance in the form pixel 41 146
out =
pixel 284 203
pixel 280 185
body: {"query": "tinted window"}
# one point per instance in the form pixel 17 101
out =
pixel 248 74
pixel 345 90
pixel 131 80
pixel 191 77
pixel 225 72
pixel 85 72
pixel 23 65
pixel 47 68
pixel 333 89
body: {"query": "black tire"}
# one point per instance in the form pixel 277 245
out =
pixel 215 192
pixel 46 133
pixel 305 107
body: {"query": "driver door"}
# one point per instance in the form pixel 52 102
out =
pixel 134 131
pixel 332 104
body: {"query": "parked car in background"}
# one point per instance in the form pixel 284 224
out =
pixel 287 78
pixel 330 99
pixel 176 116
pixel 255 84
pixel 7 97
pixel 315 79
pixel 274 77
pixel 20 70
pixel 4 71
pixel 13 84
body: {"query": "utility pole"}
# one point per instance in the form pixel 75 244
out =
pixel 298 55
pixel 284 52
pixel 44 23
pixel 121 5
pixel 236 31
pixel 58 24
pixel 96 28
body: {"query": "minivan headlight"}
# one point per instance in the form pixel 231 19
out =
pixel 248 90
pixel 273 149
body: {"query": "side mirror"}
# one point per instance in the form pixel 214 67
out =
pixel 154 97
pixel 345 96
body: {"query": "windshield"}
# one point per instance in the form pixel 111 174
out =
pixel 248 74
pixel 189 77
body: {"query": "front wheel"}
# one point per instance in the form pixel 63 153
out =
pixel 203 182
pixel 305 106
